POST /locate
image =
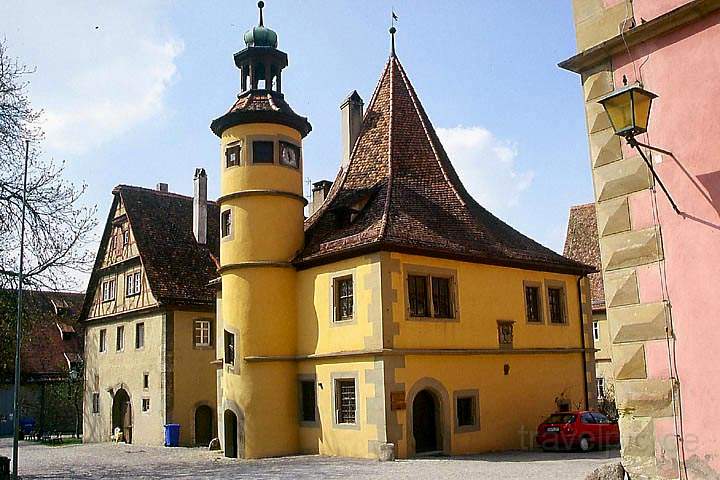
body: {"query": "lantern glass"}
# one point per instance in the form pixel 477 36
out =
pixel 628 109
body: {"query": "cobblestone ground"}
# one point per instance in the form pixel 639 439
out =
pixel 101 461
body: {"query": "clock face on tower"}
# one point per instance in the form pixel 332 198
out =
pixel 289 155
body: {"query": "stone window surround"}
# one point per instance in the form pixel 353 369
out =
pixel 541 299
pixel 231 235
pixel 211 338
pixel 334 277
pixel 334 378
pixel 145 411
pixel 475 395
pixel 309 377
pixel 562 285
pixel 422 270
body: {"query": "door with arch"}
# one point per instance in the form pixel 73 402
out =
pixel 426 422
pixel 122 414
pixel 231 426
pixel 203 425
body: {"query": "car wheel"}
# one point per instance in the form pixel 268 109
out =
pixel 585 444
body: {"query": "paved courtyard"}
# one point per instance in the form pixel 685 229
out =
pixel 96 461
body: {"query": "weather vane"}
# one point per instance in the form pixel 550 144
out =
pixel 393 19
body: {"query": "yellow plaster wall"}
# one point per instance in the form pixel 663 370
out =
pixel 485 294
pixel 105 372
pixel 194 375
pixel 317 333
pixel 510 406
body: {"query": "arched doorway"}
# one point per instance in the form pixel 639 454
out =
pixel 230 424
pixel 426 422
pixel 203 425
pixel 122 414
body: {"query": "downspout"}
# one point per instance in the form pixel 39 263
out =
pixel 582 343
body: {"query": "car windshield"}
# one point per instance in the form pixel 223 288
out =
pixel 561 418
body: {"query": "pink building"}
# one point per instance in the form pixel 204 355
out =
pixel 661 269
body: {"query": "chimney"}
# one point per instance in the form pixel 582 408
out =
pixel 351 112
pixel 162 187
pixel 200 206
pixel 319 192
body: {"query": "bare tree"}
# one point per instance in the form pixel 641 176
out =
pixel 58 227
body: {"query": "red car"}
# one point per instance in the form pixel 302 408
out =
pixel 583 430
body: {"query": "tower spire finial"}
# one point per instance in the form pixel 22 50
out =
pixel 392 32
pixel 261 4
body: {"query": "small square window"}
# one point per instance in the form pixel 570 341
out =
pixel 532 304
pixel 345 401
pixel 232 155
pixel 146 381
pixel 343 298
pixel 418 295
pixel 145 404
pixel 103 341
pixel 95 402
pixel 263 152
pixel 289 155
pixel 139 335
pixel 308 402
pixel 229 348
pixel 226 223
pixel 556 304
pixel 120 338
pixel 202 333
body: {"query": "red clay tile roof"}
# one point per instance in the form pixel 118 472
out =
pixel 415 200
pixel 582 244
pixel 177 267
pixel 255 106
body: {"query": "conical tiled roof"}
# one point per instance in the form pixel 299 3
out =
pixel 399 192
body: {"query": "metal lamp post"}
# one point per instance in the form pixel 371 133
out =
pixel 629 111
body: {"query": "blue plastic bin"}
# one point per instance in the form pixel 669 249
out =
pixel 172 435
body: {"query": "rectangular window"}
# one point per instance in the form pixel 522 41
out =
pixel 263 152
pixel 145 404
pixel 596 331
pixel 108 290
pixel 126 237
pixel 532 304
pixel 345 401
pixel 103 340
pixel 226 223
pixel 139 335
pixel 132 284
pixel 343 298
pixel 556 304
pixel 146 381
pixel 308 400
pixel 202 333
pixel 600 387
pixel 289 155
pixel 418 295
pixel 96 402
pixel 229 348
pixel 442 304
pixel 120 338
pixel 232 155
pixel 465 410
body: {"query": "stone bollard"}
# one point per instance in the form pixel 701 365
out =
pixel 386 452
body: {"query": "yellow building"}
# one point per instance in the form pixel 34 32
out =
pixel 402 317
pixel 149 318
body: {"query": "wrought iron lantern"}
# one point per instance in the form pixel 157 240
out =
pixel 628 109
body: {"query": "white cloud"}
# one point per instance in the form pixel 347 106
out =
pixel 102 68
pixel 487 166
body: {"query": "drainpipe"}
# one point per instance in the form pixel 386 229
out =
pixel 582 343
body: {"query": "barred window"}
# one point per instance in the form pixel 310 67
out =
pixel 442 305
pixel 418 295
pixel 202 333
pixel 345 401
pixel 557 308
pixel 343 298
pixel 95 402
pixel 532 304
pixel 308 400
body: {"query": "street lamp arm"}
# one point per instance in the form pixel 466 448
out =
pixel 636 145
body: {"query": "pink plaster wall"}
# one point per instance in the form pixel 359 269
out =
pixel 649 9
pixel 683 68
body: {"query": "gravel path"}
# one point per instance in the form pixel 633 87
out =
pixel 96 461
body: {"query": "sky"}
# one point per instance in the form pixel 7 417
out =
pixel 128 89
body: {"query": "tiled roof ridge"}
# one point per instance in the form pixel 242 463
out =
pixel 118 188
pixel 582 205
pixel 388 197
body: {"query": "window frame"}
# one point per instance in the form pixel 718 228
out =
pixel 540 302
pixel 600 386
pixel 596 330
pixel 263 141
pixel 308 379
pixel 282 144
pixel 229 335
pixel 120 338
pixel 139 335
pixel 430 274
pixel 426 300
pixel 146 381
pixel 557 285
pixel 108 290
pixel 226 224
pixel 102 340
pixel 133 283
pixel 338 384
pixel 210 332
pixel 338 298
pixel 145 405
pixel 474 396
pixel 233 147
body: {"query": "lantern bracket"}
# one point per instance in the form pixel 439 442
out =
pixel 639 146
